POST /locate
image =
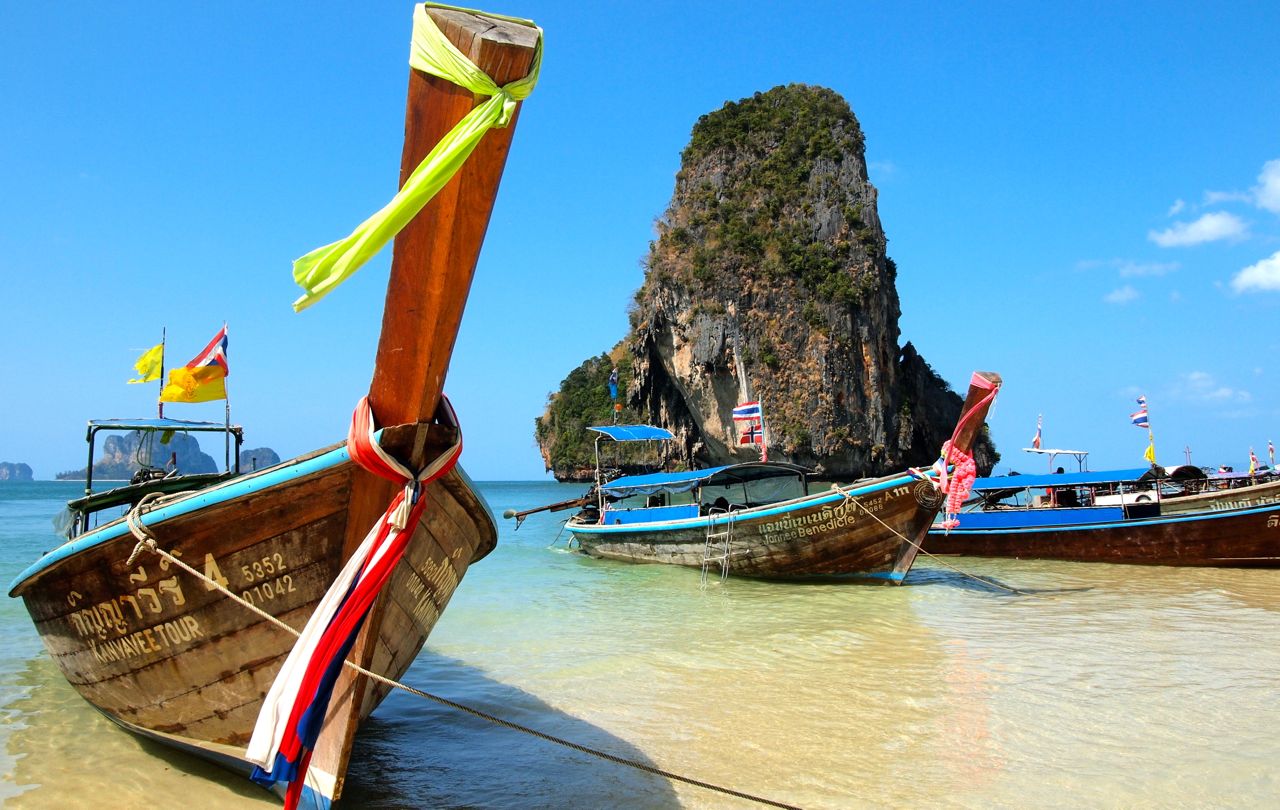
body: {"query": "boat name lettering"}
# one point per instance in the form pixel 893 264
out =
pixel 148 640
pixel 101 619
pixel 433 578
pixel 266 591
pixel 1273 521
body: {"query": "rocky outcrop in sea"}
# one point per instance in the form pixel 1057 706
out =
pixel 14 471
pixel 123 454
pixel 769 280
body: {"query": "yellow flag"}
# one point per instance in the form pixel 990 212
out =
pixel 1150 455
pixel 200 384
pixel 149 364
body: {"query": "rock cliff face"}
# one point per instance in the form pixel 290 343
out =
pixel 257 459
pixel 769 281
pixel 14 471
pixel 121 456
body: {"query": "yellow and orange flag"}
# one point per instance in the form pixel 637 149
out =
pixel 204 378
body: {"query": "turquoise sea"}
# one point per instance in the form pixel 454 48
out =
pixel 1107 686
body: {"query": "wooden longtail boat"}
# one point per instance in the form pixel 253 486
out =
pixel 164 654
pixel 871 529
pixel 1219 492
pixel 1092 517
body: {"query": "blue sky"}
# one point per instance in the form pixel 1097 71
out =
pixel 1085 199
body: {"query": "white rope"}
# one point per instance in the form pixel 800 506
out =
pixel 849 497
pixel 147 540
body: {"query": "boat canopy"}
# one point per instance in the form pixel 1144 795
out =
pixel 633 433
pixel 685 481
pixel 1059 479
pixel 1181 472
pixel 158 424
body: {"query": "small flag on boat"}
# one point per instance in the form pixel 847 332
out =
pixel 1271 453
pixel 1139 418
pixel 1150 454
pixel 202 379
pixel 1036 441
pixel 748 411
pixel 752 434
pixel 1253 462
pixel 150 364
pixel 613 384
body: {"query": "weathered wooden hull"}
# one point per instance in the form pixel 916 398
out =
pixel 870 532
pixel 1248 538
pixel 1223 499
pixel 163 653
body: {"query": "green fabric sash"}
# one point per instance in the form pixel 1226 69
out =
pixel 324 268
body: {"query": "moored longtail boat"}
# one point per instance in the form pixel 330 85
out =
pixel 871 529
pixel 1107 517
pixel 161 650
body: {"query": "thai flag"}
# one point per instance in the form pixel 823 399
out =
pixel 1140 419
pixel 215 354
pixel 1036 441
pixel 753 434
pixel 748 411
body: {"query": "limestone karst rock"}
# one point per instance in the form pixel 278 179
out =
pixel 769 280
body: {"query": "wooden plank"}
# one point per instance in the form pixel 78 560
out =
pixel 431 270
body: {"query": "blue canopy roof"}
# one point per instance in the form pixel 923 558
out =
pixel 633 433
pixel 684 481
pixel 1059 479
pixel 658 482
pixel 157 424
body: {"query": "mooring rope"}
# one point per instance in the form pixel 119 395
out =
pixel 148 541
pixel 852 499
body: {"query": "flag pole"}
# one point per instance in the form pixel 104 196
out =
pixel 160 402
pixel 226 400
pixel 764 437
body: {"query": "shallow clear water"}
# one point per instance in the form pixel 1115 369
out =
pixel 1100 685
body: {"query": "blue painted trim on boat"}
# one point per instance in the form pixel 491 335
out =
pixel 313 800
pixel 745 515
pixel 201 500
pixel 1186 517
pixel 1019 518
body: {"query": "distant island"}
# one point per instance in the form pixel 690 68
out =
pixel 124 454
pixel 15 471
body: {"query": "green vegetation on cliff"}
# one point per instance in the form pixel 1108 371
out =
pixel 758 212
pixel 582 401
pixel 769 280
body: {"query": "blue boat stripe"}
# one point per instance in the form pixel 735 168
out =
pixel 716 520
pixel 1178 518
pixel 205 498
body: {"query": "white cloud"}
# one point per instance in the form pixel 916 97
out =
pixel 1267 193
pixel 1201 386
pixel 882 168
pixel 1177 207
pixel 1208 228
pixel 1121 296
pixel 1263 276
pixel 1128 267
pixel 1215 197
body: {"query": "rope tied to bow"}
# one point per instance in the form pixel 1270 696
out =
pixel 956 470
pixel 290 720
